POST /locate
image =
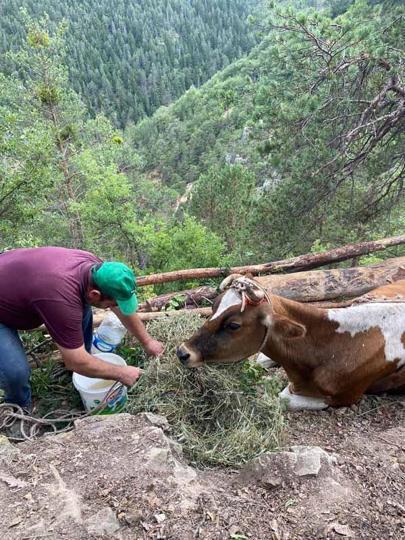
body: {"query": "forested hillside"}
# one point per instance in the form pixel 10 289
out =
pixel 301 143
pixel 66 179
pixel 128 57
pixel 298 146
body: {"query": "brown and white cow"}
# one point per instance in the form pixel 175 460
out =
pixel 331 356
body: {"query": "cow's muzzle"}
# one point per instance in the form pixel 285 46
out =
pixel 188 358
pixel 182 355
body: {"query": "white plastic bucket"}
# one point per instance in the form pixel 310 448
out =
pixel 93 391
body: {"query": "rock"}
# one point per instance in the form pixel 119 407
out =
pixel 4 441
pixel 60 438
pixel 269 469
pixel 342 411
pixel 133 516
pixel 272 481
pixel 158 458
pixel 183 474
pixel 232 159
pixel 275 528
pixel 235 532
pixel 7 449
pixel 272 469
pixel 14 522
pixel 12 482
pixel 309 460
pixel 343 530
pixel 156 420
pixel 100 423
pixel 103 522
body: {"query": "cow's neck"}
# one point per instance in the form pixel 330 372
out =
pixel 316 323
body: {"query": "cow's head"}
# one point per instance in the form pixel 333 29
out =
pixel 240 322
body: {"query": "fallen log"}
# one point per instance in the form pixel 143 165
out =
pixel 311 286
pixel 294 264
pixel 319 285
pixel 190 298
pixel 99 314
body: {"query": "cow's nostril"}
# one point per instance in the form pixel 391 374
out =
pixel 182 355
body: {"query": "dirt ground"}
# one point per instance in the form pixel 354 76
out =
pixel 369 440
pixel 122 477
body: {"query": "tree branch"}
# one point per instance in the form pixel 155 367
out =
pixel 302 262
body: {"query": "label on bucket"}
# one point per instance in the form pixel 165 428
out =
pixel 102 345
pixel 115 403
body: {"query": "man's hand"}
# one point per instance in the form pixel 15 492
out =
pixel 154 347
pixel 130 375
pixel 84 363
pixel 135 326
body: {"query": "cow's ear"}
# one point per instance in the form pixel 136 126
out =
pixel 287 329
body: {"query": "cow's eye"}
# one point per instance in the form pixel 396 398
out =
pixel 232 326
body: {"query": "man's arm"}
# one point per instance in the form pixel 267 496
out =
pixel 82 362
pixel 135 326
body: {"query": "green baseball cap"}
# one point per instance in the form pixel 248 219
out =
pixel 115 279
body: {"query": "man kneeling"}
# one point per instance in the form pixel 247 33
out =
pixel 56 287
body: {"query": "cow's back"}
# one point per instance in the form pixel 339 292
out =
pixel 392 291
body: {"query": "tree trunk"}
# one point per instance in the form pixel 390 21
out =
pixel 189 298
pixel 319 285
pixel 295 264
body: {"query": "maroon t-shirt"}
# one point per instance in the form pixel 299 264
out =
pixel 46 285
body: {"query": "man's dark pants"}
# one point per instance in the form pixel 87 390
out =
pixel 14 368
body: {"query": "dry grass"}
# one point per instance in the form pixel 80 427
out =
pixel 222 415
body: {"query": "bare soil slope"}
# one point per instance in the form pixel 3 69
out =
pixel 340 475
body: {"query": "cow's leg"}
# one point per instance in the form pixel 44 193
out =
pixel 395 382
pixel 297 402
pixel 342 391
pixel 265 361
pixel 345 400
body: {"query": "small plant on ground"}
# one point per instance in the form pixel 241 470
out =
pixel 52 388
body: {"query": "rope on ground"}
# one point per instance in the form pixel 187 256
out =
pixel 32 428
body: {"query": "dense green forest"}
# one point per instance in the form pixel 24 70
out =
pixel 297 146
pixel 128 57
pixel 315 113
pixel 69 179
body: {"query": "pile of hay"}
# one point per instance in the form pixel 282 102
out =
pixel 222 415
